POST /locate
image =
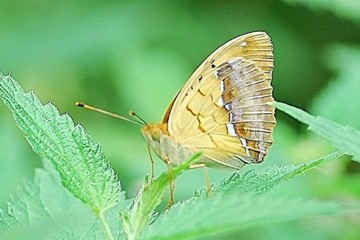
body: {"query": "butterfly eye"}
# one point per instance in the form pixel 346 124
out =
pixel 155 134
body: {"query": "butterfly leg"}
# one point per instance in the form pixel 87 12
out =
pixel 172 185
pixel 152 176
pixel 207 177
pixel 207 182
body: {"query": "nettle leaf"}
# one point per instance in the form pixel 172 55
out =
pixel 43 209
pixel 240 202
pixel 79 161
pixel 221 214
pixel 243 201
pixel 260 182
pixel 345 138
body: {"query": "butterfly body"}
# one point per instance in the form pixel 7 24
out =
pixel 165 146
pixel 222 110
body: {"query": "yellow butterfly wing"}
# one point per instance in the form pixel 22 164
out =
pixel 222 111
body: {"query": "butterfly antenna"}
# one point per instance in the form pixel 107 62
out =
pixel 143 122
pixel 88 107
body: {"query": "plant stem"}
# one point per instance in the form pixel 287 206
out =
pixel 105 225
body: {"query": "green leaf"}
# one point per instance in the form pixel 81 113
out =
pixel 79 161
pixel 43 209
pixel 202 218
pixel 259 182
pixel 345 138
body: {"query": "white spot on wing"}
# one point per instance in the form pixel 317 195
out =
pixel 231 129
pixel 222 86
pixel 221 101
pixel 244 143
pixel 244 44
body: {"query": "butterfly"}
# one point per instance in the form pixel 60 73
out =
pixel 222 110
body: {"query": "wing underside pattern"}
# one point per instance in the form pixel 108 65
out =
pixel 222 110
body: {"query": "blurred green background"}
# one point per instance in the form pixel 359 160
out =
pixel 136 55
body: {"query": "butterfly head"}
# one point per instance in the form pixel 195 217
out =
pixel 153 132
pixel 154 135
